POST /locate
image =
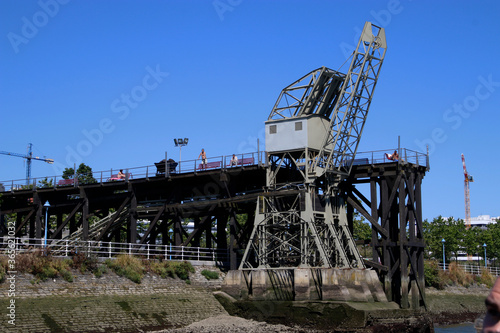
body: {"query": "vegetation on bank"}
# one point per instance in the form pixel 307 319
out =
pixel 454 275
pixel 44 267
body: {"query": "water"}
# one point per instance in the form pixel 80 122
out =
pixel 462 328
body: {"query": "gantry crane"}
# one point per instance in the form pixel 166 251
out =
pixel 29 156
pixel 467 180
pixel 312 136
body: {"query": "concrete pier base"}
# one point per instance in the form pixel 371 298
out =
pixel 303 284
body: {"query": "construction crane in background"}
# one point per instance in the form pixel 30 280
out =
pixel 29 156
pixel 467 180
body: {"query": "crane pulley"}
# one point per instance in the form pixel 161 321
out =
pixel 29 156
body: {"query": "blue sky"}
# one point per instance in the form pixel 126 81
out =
pixel 111 83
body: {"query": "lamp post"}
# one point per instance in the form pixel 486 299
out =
pixel 444 256
pixel 180 143
pixel 485 264
pixel 46 205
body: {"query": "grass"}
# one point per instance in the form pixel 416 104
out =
pixel 454 276
pixel 210 275
pixel 127 266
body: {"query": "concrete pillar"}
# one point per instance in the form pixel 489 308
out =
pixel 260 285
pixel 332 289
pixel 302 289
pixel 235 284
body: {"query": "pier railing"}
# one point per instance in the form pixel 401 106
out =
pixel 405 156
pixel 473 269
pixel 194 166
pixel 67 248
pixel 142 172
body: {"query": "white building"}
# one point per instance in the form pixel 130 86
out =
pixel 482 221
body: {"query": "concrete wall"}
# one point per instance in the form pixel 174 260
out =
pixel 107 304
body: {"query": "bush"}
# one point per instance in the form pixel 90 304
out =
pixel 66 275
pixel 486 278
pixel 455 275
pixel 3 268
pixel 171 269
pixel 431 273
pixel 127 266
pixel 100 271
pixel 210 275
pixel 182 269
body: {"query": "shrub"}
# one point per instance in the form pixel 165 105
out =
pixel 2 273
pixel 171 269
pixel 3 268
pixel 84 263
pixel 66 275
pixel 431 272
pixel 127 266
pixel 455 275
pixel 100 271
pixel 182 269
pixel 486 278
pixel 210 275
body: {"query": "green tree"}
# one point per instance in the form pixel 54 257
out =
pixel 362 232
pixel 46 183
pixel 492 240
pixel 361 229
pixel 451 230
pixel 83 174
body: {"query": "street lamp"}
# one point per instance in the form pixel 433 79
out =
pixel 444 257
pixel 180 143
pixel 485 264
pixel 46 205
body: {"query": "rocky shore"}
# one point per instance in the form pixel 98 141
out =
pixel 453 305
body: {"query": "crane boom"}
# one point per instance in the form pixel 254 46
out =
pixel 467 179
pixel 350 112
pixel 29 156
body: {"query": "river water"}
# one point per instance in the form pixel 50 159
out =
pixel 462 328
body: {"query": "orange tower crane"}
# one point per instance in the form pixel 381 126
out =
pixel 467 180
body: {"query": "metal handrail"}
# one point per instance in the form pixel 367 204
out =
pixel 188 166
pixel 406 156
pixel 142 172
pixel 473 269
pixel 69 247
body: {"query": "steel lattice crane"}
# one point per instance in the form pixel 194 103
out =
pixel 312 136
pixel 467 180
pixel 29 156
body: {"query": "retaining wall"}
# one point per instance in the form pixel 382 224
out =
pixel 107 304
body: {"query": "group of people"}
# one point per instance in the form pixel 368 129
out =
pixel 203 157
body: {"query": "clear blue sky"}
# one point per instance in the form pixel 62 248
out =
pixel 212 71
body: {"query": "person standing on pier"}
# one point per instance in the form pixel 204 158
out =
pixel 203 157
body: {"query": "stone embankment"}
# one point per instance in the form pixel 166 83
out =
pixel 115 304
pixel 107 304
